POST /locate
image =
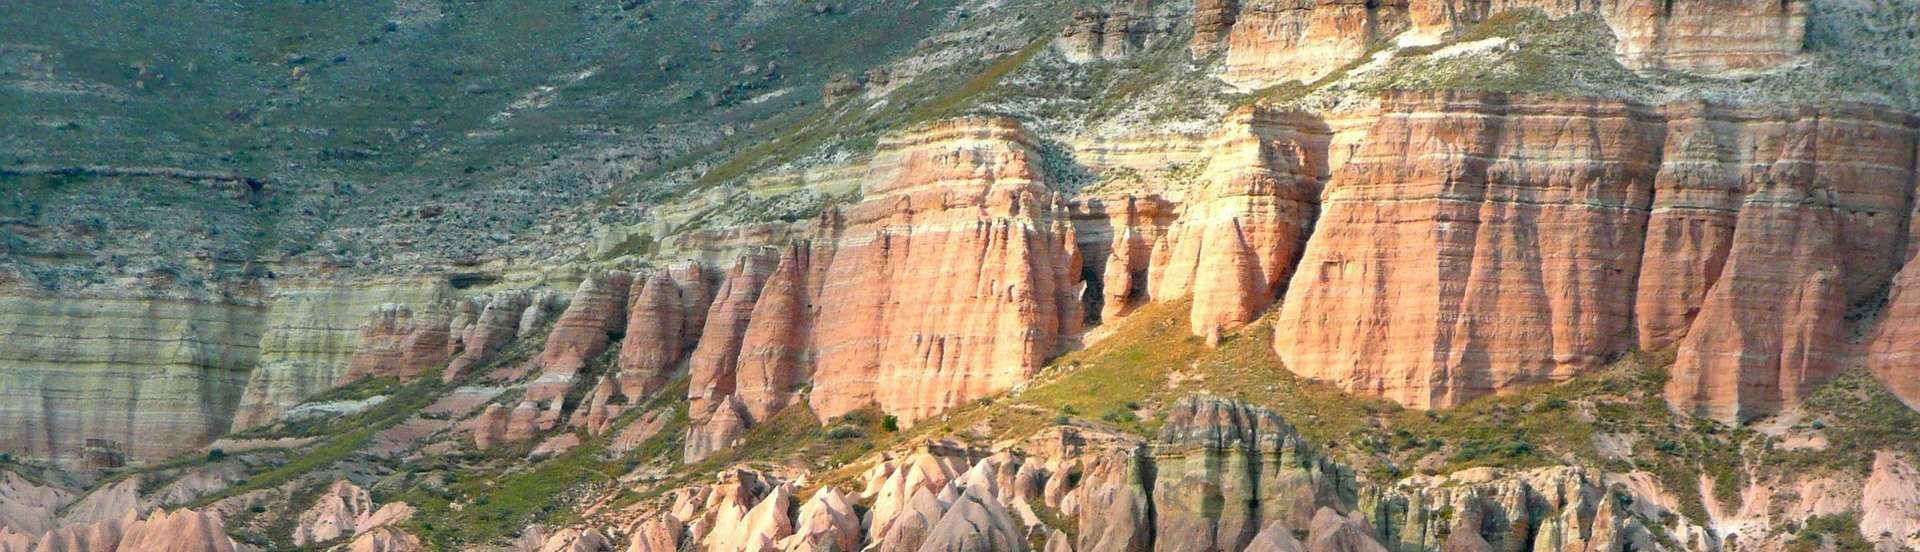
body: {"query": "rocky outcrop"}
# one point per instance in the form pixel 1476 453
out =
pixel 1450 262
pixel 1890 502
pixel 900 323
pixel 715 359
pixel 1277 41
pixel 597 313
pixel 104 381
pixel 1707 35
pixel 397 342
pixel 334 514
pixel 717 430
pixel 311 333
pixel 1224 470
pixel 1270 42
pixel 1237 238
pixel 160 531
pixel 1109 35
pixel 1788 218
pixel 498 425
pixel 495 324
pixel 655 337
pixel 773 351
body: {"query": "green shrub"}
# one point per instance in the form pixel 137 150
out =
pixel 890 423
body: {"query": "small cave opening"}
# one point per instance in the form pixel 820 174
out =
pixel 1093 298
pixel 468 280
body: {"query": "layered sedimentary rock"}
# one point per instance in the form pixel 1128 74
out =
pixel 1276 41
pixel 597 313
pixel 904 325
pixel 1821 196
pixel 1269 42
pixel 1235 242
pixel 398 342
pixel 1655 34
pixel 773 351
pixel 1222 476
pixel 1475 244
pixel 103 381
pixel 1223 471
pixel 495 323
pixel 650 353
pixel 1109 35
pixel 715 359
pixel 311 332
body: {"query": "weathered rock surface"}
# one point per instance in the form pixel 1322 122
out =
pixel 496 323
pixel 1449 264
pixel 1269 42
pixel 773 351
pixel 597 312
pixel 1237 238
pixel 1224 471
pixel 137 379
pixel 900 323
pixel 1109 35
pixel 1818 195
pixel 398 342
pixel 311 332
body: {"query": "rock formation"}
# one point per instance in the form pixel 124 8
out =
pixel 496 324
pixel 1237 237
pixel 1270 42
pixel 902 325
pixel 1443 220
pixel 397 342
pixel 1224 470
pixel 131 379
pixel 596 314
pixel 773 355
pixel 1795 214
pixel 650 353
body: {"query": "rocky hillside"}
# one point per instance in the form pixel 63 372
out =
pixel 961 275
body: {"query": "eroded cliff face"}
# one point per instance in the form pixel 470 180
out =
pixel 310 335
pixel 101 381
pixel 1475 244
pixel 1237 237
pixel 903 325
pixel 1512 241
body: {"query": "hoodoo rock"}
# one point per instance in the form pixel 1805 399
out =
pixel 597 312
pixel 773 355
pixel 496 324
pixel 903 325
pixel 715 359
pixel 1449 262
pixel 1225 470
pixel 1237 238
pixel 650 353
pixel 397 342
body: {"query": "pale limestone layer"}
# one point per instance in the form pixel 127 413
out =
pixel 141 378
pixel 310 333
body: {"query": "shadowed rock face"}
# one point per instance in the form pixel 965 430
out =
pixel 1224 470
pixel 1221 476
pixel 397 342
